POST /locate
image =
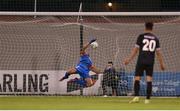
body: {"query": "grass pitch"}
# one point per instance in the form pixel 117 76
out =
pixel 84 103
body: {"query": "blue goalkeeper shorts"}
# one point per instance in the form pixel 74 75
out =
pixel 83 72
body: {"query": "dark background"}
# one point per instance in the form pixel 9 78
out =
pixel 90 5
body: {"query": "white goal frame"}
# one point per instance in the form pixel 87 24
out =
pixel 91 13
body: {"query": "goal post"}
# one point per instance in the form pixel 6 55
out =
pixel 36 52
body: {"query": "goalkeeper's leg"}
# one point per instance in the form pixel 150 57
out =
pixel 90 82
pixel 68 73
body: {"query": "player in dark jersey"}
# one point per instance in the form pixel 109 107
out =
pixel 147 45
pixel 83 67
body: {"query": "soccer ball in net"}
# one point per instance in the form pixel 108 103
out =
pixel 94 45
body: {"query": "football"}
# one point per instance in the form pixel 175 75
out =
pixel 94 45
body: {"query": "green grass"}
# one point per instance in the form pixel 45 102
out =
pixel 84 103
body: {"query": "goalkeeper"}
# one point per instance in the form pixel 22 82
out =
pixel 83 67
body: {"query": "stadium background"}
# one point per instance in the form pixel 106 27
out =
pixel 90 5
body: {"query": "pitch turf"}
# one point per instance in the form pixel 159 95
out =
pixel 84 103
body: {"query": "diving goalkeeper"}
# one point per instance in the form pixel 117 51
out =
pixel 83 67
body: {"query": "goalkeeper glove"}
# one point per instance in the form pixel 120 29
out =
pixel 91 41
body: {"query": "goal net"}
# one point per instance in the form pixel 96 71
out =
pixel 38 48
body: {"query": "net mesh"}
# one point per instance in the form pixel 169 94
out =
pixel 39 51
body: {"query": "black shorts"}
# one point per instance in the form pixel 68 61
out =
pixel 140 68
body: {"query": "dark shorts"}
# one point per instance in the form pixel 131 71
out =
pixel 140 68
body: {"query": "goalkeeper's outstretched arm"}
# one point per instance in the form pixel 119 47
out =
pixel 83 50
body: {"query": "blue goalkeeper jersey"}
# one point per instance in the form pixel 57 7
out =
pixel 85 62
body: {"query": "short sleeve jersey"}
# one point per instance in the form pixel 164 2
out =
pixel 85 62
pixel 147 43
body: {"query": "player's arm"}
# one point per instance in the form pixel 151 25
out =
pixel 160 58
pixel 83 50
pixel 132 55
pixel 159 55
pixel 134 51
